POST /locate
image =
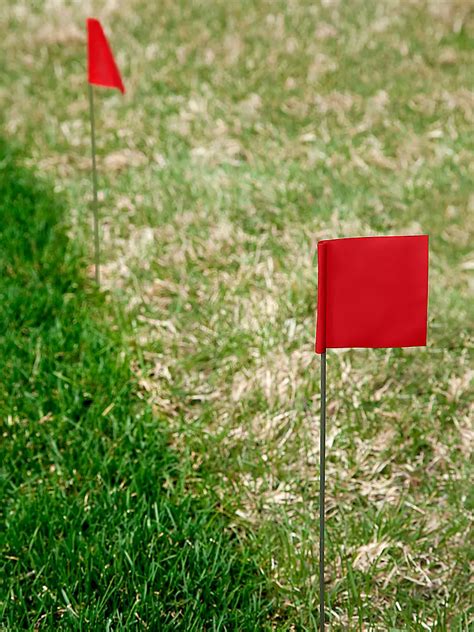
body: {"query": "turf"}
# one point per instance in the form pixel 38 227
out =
pixel 250 130
pixel 100 529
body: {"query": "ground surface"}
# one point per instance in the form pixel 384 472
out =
pixel 160 438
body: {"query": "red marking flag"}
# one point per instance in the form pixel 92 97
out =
pixel 372 292
pixel 102 69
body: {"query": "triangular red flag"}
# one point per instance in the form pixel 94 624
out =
pixel 372 292
pixel 102 69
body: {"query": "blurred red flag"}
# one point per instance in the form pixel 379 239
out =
pixel 372 292
pixel 102 69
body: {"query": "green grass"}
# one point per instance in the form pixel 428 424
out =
pixel 249 131
pixel 101 531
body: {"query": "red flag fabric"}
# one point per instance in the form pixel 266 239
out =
pixel 102 69
pixel 372 292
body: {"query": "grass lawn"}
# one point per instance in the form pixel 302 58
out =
pixel 100 528
pixel 160 437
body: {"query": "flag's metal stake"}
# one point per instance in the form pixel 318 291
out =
pixel 95 205
pixel 322 485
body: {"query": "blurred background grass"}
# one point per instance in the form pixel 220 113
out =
pixel 250 130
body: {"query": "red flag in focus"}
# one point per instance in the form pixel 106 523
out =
pixel 102 69
pixel 372 292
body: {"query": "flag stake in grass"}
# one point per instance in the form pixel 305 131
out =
pixel 322 487
pixel 95 204
pixel 102 71
pixel 372 292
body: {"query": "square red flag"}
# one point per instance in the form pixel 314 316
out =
pixel 372 292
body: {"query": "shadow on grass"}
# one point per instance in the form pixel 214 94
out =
pixel 99 531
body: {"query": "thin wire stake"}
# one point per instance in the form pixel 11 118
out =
pixel 95 205
pixel 322 490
